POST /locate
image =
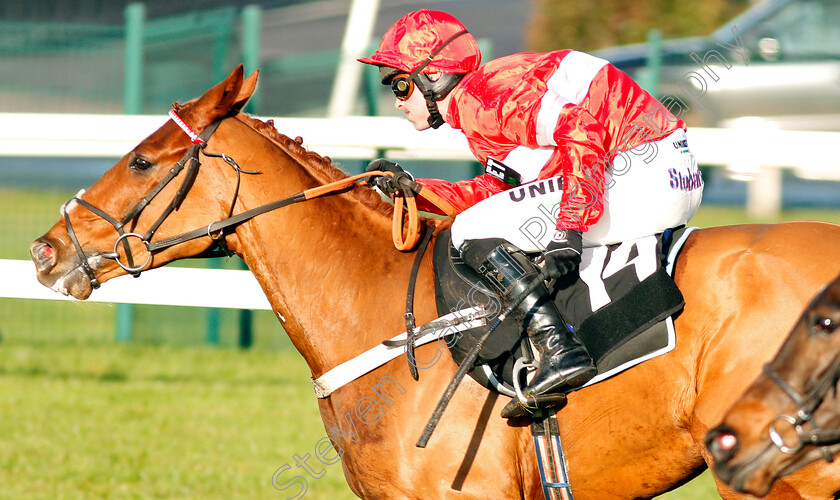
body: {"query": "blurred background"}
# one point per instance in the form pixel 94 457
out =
pixel 116 57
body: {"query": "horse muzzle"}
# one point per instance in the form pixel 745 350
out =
pixel 754 475
pixel 61 274
pixel 43 255
pixel 722 442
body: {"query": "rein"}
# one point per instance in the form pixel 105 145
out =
pixel 807 404
pixel 215 230
pixel 309 194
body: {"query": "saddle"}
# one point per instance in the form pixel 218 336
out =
pixel 621 307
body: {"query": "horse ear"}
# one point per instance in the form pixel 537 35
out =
pixel 230 94
pixel 233 93
pixel 246 91
pixel 228 90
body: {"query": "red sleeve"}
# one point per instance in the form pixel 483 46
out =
pixel 462 194
pixel 580 160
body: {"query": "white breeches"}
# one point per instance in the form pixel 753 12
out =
pixel 649 189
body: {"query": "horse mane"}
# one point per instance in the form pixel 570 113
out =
pixel 321 167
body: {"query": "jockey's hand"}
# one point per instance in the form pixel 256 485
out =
pixel 562 255
pixel 389 184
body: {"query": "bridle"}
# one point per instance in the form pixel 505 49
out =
pixel 215 230
pixel 191 162
pixel 807 404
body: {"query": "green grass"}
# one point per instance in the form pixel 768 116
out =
pixel 715 215
pixel 26 214
pixel 701 488
pixel 139 422
pixel 112 421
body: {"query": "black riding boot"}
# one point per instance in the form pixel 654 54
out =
pixel 564 363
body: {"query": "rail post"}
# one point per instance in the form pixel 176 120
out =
pixel 654 62
pixel 251 36
pixel 135 19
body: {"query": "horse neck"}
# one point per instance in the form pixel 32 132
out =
pixel 327 265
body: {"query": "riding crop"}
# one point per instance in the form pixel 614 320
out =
pixel 469 361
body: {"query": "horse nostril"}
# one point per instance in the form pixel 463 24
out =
pixel 43 255
pixel 726 442
pixel 722 442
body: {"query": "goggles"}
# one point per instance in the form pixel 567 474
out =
pixel 402 86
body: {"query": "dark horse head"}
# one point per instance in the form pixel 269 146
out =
pixel 790 416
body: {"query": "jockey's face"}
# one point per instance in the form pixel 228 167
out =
pixel 415 109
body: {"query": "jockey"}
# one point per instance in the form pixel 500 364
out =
pixel 575 152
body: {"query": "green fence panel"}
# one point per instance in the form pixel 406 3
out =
pixel 53 67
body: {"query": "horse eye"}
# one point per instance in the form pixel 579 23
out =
pixel 825 325
pixel 140 164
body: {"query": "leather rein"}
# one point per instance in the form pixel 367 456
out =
pixel 191 161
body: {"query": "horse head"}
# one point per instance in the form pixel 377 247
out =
pixel 106 231
pixel 790 416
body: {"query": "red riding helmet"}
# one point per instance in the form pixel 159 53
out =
pixel 418 35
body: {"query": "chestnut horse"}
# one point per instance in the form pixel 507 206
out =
pixel 331 274
pixel 790 416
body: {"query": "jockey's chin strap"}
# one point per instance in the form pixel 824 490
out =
pixel 216 229
pixel 432 91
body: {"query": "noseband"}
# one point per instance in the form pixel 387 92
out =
pixel 807 404
pixel 191 161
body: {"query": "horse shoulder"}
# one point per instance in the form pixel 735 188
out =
pixel 744 286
